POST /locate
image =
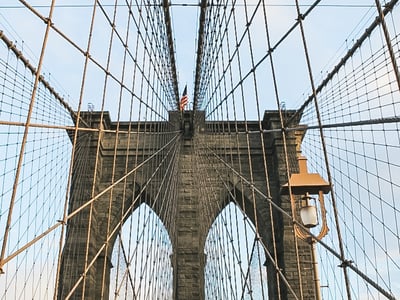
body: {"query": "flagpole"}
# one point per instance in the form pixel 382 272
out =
pixel 182 103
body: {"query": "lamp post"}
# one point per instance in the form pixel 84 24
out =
pixel 306 184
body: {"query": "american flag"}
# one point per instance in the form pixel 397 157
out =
pixel 184 99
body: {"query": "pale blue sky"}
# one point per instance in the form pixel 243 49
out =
pixel 329 28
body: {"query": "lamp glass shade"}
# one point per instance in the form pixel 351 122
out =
pixel 308 215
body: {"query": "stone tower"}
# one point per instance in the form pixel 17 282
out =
pixel 189 230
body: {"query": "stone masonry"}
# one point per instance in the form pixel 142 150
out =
pixel 189 229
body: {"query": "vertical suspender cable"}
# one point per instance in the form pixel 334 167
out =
pixel 25 136
pixel 336 215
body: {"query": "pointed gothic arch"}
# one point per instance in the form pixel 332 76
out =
pixel 229 235
pixel 132 257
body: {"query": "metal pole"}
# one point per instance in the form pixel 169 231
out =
pixel 317 283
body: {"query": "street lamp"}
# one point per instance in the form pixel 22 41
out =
pixel 308 211
pixel 307 184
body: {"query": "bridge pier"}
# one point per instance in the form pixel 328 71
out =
pixel 188 255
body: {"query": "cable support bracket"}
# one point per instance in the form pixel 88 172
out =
pixel 346 263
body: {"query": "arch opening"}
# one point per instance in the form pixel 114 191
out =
pixel 234 258
pixel 141 264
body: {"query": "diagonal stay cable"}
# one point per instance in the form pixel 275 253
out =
pixel 25 138
pixel 388 8
pixel 271 50
pixel 126 214
pixel 125 256
pixel 34 71
pixel 157 196
pixel 76 211
pixel 168 23
pixel 199 59
pixel 111 234
pixel 301 226
pixel 270 257
pixel 248 271
pixel 96 62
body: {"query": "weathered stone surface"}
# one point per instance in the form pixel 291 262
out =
pixel 195 207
